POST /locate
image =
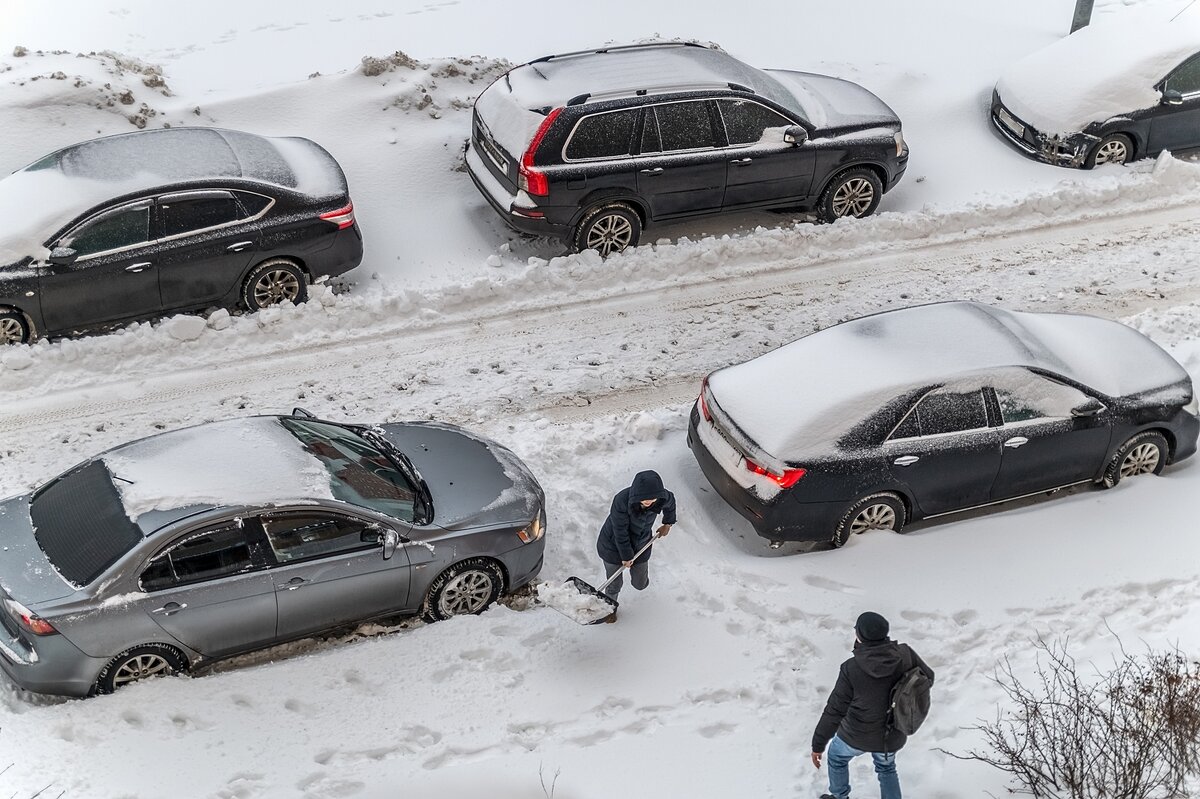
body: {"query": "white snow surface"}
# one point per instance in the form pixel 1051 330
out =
pixel 1106 69
pixel 251 461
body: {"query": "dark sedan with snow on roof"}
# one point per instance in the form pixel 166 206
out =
pixel 146 224
pixel 915 413
pixel 197 544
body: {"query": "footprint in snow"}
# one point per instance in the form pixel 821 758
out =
pixel 830 585
pixel 715 730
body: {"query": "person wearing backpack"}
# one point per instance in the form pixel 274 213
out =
pixel 859 716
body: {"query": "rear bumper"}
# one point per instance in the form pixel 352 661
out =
pixel 519 216
pixel 50 665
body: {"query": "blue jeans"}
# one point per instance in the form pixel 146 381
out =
pixel 838 757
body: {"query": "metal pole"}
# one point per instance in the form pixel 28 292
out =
pixel 1083 14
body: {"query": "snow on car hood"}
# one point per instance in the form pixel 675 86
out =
pixel 25 573
pixel 1105 70
pixel 475 482
pixel 832 103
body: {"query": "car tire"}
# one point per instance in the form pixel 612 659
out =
pixel 854 193
pixel 1145 453
pixel 466 588
pixel 881 511
pixel 609 228
pixel 139 663
pixel 1115 148
pixel 274 281
pixel 13 328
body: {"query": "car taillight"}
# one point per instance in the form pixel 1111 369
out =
pixel 704 403
pixel 342 217
pixel 28 619
pixel 786 480
pixel 529 179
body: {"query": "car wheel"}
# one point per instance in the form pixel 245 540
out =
pixel 854 193
pixel 607 229
pixel 139 663
pixel 272 282
pixel 1115 148
pixel 1145 453
pixel 13 328
pixel 465 588
pixel 875 512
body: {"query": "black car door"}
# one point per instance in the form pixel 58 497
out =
pixel 681 170
pixel 1175 125
pixel 763 168
pixel 113 275
pixel 208 242
pixel 1044 445
pixel 944 452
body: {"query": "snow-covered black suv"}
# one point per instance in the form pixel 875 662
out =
pixel 591 147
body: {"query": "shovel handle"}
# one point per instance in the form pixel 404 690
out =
pixel 617 573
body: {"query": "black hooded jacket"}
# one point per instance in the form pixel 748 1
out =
pixel 858 705
pixel 629 526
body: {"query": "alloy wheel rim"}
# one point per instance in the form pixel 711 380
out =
pixel 276 286
pixel 466 593
pixel 853 197
pixel 1142 459
pixel 11 331
pixel 140 667
pixel 1112 152
pixel 874 517
pixel 610 233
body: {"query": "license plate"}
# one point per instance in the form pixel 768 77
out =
pixel 1011 123
pixel 490 150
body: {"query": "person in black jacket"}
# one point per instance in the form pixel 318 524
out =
pixel 629 527
pixel 855 720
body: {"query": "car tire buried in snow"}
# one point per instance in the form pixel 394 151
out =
pixel 138 663
pixel 882 511
pixel 853 193
pixel 1145 453
pixel 13 328
pixel 609 228
pixel 274 281
pixel 1115 148
pixel 466 588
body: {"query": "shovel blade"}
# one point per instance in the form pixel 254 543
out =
pixel 577 600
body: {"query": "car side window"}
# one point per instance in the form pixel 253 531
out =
pixel 747 122
pixel 254 204
pixel 181 216
pixel 684 126
pixel 1031 396
pixel 951 412
pixel 607 135
pixel 304 534
pixel 909 427
pixel 217 552
pixel 124 227
pixel 1185 79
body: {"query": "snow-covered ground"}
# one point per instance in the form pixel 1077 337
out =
pixel 711 682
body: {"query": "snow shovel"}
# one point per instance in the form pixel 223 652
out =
pixel 579 601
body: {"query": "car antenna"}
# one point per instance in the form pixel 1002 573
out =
pixel 1185 8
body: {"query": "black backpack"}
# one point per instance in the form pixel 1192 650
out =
pixel 909 702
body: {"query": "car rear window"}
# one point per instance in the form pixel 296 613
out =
pixel 80 523
pixel 602 135
pixel 178 216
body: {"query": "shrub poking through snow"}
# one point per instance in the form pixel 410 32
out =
pixel 1131 732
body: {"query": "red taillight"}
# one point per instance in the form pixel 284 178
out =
pixel 786 480
pixel 28 619
pixel 703 403
pixel 529 179
pixel 342 217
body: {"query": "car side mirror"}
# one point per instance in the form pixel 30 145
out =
pixel 1172 97
pixel 795 135
pixel 1089 407
pixel 63 256
pixel 300 413
pixel 390 539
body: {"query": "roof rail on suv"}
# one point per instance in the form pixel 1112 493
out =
pixel 666 88
pixel 617 48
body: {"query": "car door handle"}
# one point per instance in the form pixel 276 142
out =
pixel 294 583
pixel 170 608
pixel 656 171
pixel 138 267
pixel 741 161
pixel 906 460
pixel 239 246
pixel 1016 442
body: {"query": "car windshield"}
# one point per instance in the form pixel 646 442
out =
pixel 359 472
pixel 80 523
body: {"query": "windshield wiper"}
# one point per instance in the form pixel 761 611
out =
pixel 406 467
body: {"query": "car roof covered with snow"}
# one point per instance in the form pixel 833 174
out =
pixel 807 395
pixel 1106 69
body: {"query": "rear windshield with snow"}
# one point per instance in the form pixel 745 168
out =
pixel 80 523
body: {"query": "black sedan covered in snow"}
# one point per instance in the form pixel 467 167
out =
pixel 929 410
pixel 170 552
pixel 1125 87
pixel 144 224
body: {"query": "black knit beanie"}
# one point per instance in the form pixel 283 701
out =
pixel 871 627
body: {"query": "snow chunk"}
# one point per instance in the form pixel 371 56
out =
pixel 185 328
pixel 568 600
